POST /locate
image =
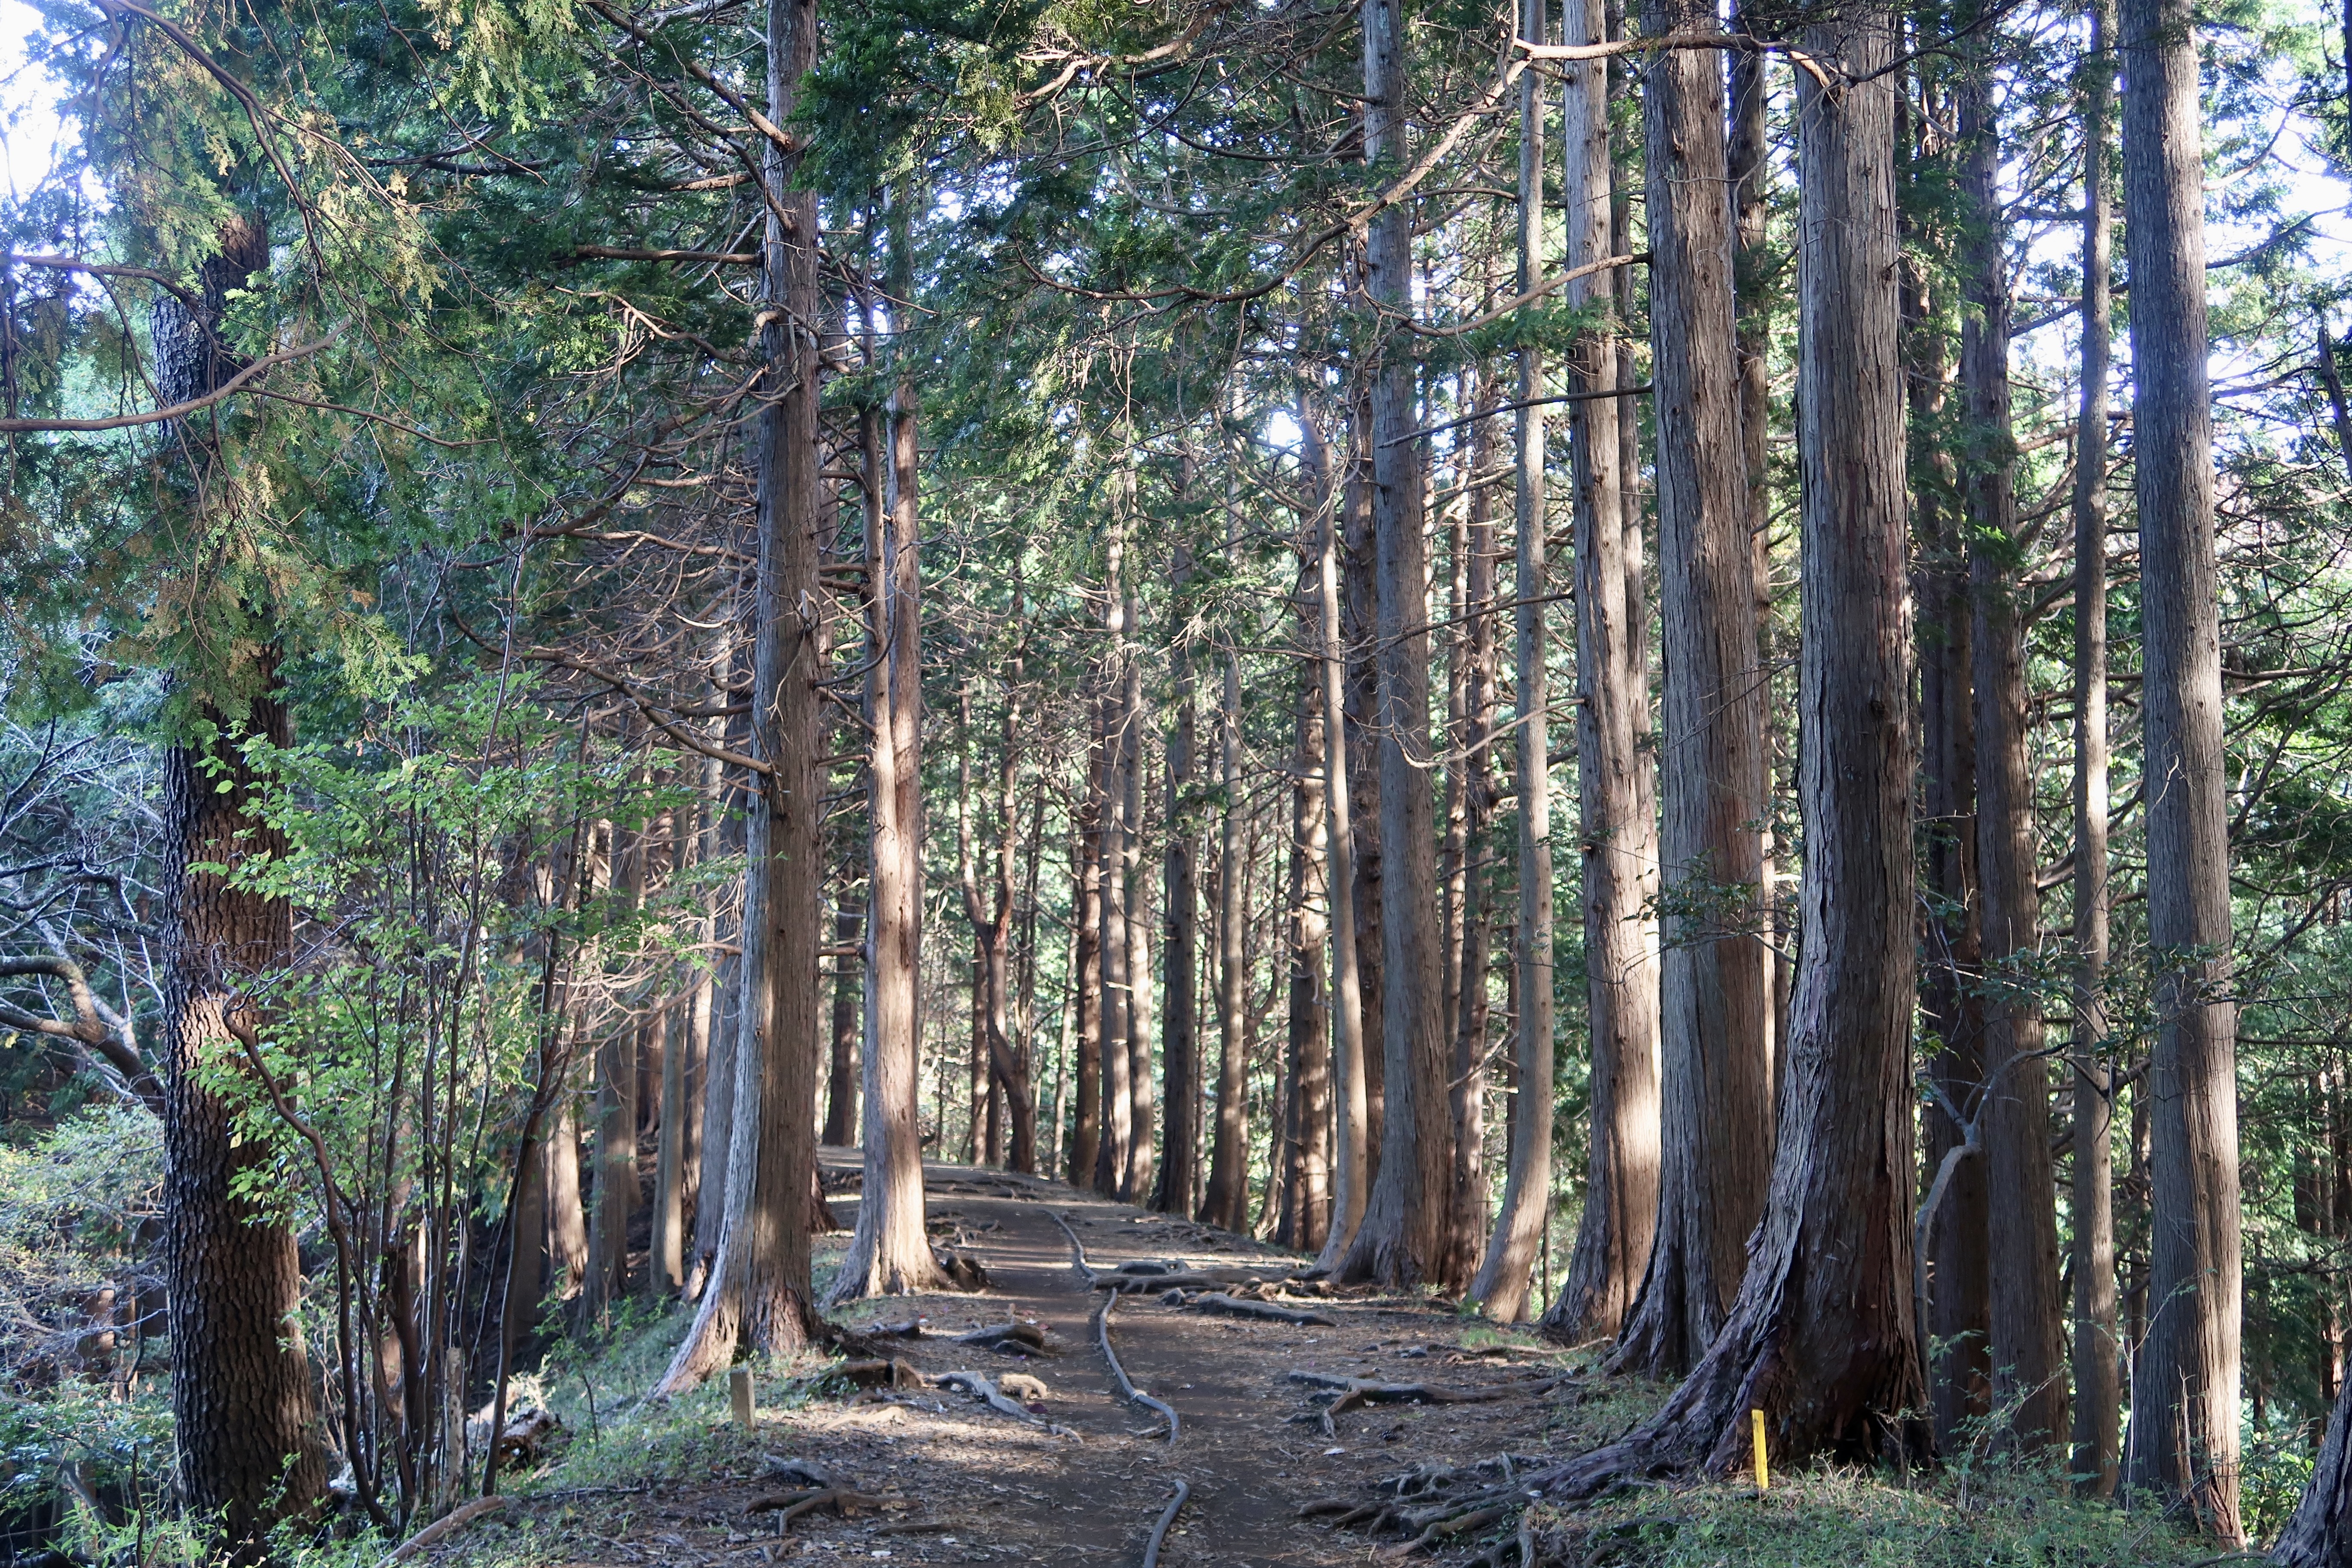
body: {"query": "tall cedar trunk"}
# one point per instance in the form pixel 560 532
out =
pixel 1008 1026
pixel 1114 1157
pixel 1714 1047
pixel 246 1429
pixel 889 1252
pixel 2184 1442
pixel 1309 1035
pixel 1501 1284
pixel 758 1295
pixel 1404 1216
pixel 1135 1187
pixel 719 1076
pixel 1821 1338
pixel 1227 1204
pixel 1351 1130
pixel 1614 830
pixel 665 1269
pixel 1086 971
pixel 1359 619
pixel 841 1067
pixel 1179 1034
pixel 2098 1391
pixel 246 1425
pixel 2020 1211
pixel 1474 812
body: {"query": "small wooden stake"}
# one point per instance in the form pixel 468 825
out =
pixel 738 1395
pixel 1756 1429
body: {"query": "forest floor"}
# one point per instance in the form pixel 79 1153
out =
pixel 1082 1475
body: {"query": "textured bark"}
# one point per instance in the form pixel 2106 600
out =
pixel 1179 1034
pixel 2020 1210
pixel 1405 1215
pixel 1717 1075
pixel 1309 1042
pixel 1352 1131
pixel 246 1427
pixel 1134 1186
pixel 889 1252
pixel 1615 834
pixel 1821 1338
pixel 1085 854
pixel 1470 802
pixel 613 1200
pixel 245 1431
pixel 1500 1285
pixel 2319 1536
pixel 1115 1156
pixel 2098 1385
pixel 1360 616
pixel 759 1294
pixel 2183 1443
pixel 1227 1204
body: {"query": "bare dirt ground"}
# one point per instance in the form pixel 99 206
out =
pixel 1085 1483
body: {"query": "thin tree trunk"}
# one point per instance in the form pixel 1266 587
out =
pixel 1116 1157
pixel 2098 1393
pixel 1501 1284
pixel 1715 1045
pixel 889 1252
pixel 2020 1211
pixel 2184 1440
pixel 841 1070
pixel 1179 1035
pixel 1135 1187
pixel 1309 1034
pixel 615 1194
pixel 1227 1205
pixel 1350 1173
pixel 1361 619
pixel 1086 972
pixel 1404 1216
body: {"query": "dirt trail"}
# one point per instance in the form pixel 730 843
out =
pixel 970 1484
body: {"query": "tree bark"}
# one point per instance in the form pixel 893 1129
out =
pixel 2183 1443
pixel 1404 1216
pixel 1134 1186
pixel 889 1252
pixel 614 1196
pixel 1360 615
pixel 1227 1205
pixel 1085 854
pixel 1715 1046
pixel 841 1069
pixel 2020 1210
pixel 245 1424
pixel 1116 1156
pixel 1616 836
pixel 1500 1287
pixel 1309 1042
pixel 1179 1035
pixel 2098 1391
pixel 760 1291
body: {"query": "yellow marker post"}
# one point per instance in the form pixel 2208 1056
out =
pixel 1756 1429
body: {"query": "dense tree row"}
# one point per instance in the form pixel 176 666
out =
pixel 595 597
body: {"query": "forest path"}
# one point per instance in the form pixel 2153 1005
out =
pixel 970 1484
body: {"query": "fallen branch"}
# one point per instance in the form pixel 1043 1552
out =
pixel 1167 1518
pixel 1440 1529
pixel 1217 1302
pixel 1010 1339
pixel 1125 1385
pixel 1355 1393
pixel 441 1529
pixel 790 1505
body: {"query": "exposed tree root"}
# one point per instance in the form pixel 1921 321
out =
pixel 1186 1280
pixel 1125 1385
pixel 1077 1249
pixel 1012 1339
pixel 1217 1302
pixel 790 1505
pixel 1167 1518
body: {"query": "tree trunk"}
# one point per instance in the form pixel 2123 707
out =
pixel 244 1421
pixel 1086 972
pixel 1715 1000
pixel 1228 1199
pixel 1615 833
pixel 889 1252
pixel 1179 1035
pixel 615 1193
pixel 1116 1156
pixel 759 1294
pixel 1352 1180
pixel 1309 1037
pixel 1501 1284
pixel 2098 1392
pixel 1359 621
pixel 1135 1187
pixel 2020 1211
pixel 1008 1031
pixel 1404 1216
pixel 2183 1442
pixel 1821 1338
